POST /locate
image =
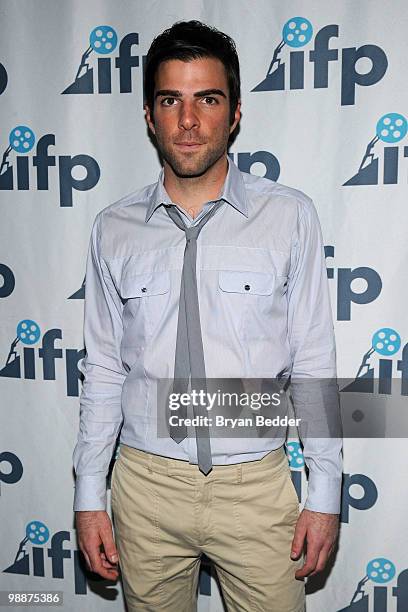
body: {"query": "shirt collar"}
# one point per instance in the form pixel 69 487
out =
pixel 233 192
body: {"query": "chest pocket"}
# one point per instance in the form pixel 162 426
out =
pixel 145 297
pixel 249 300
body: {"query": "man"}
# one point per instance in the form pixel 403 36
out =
pixel 208 273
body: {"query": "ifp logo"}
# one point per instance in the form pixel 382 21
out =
pixel 385 345
pixel 294 453
pixel 297 32
pixel 367 488
pixel 3 78
pixel 9 281
pixel 347 278
pixel 17 176
pixel 14 470
pixel 79 294
pixel 391 128
pixel 372 590
pixel 23 356
pixel 103 40
pixel 245 161
pixel 33 563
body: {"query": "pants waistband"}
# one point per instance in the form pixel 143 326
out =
pixel 273 462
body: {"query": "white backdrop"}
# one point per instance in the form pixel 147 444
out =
pixel 298 127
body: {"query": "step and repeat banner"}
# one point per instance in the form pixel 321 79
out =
pixel 325 107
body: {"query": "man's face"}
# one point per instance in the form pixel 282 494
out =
pixel 191 114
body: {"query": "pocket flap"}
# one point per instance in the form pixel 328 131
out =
pixel 259 283
pixel 143 285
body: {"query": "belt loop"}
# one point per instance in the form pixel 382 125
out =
pixel 239 473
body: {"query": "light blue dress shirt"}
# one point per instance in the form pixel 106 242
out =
pixel 265 235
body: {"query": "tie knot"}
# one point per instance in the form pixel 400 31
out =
pixel 192 232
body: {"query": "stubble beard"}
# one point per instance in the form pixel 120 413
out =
pixel 196 163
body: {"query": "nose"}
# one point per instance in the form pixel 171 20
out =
pixel 188 118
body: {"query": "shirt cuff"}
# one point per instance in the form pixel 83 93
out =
pixel 90 492
pixel 324 493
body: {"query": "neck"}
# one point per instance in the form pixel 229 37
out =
pixel 192 193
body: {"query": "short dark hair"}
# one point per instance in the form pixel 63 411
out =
pixel 189 40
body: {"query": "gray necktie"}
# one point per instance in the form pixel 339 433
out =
pixel 189 360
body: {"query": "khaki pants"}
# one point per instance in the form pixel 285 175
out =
pixel 166 513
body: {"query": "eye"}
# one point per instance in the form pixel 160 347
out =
pixel 210 101
pixel 168 101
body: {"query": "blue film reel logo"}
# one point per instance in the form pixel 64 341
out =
pixel 28 331
pixel 295 454
pixel 392 127
pixel 380 570
pixel 386 341
pixel 37 532
pixel 297 32
pixel 103 39
pixel 22 139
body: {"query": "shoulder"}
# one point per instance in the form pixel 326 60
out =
pixel 138 199
pixel 267 192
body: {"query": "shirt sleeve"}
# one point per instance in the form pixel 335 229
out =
pixel 100 398
pixel 314 387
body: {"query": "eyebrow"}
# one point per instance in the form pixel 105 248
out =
pixel 174 93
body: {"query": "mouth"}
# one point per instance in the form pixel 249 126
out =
pixel 188 146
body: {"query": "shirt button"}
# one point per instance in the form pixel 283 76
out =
pixel 144 289
pixel 247 287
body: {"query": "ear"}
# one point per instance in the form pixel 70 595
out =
pixel 149 118
pixel 237 117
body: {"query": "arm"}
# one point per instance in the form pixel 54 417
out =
pixel 100 408
pixel 314 389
